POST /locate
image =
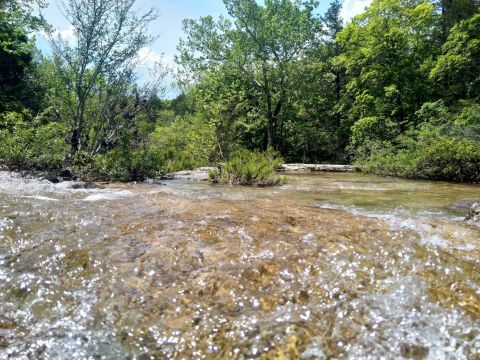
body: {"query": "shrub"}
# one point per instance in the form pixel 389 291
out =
pixel 122 165
pixel 251 168
pixel 37 143
pixel 445 146
pixel 426 153
pixel 371 129
pixel 30 143
pixel 185 143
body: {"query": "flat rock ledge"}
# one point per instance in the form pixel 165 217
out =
pixel 316 167
pixel 201 174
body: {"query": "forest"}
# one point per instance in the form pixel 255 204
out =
pixel 394 91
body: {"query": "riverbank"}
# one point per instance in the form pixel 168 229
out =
pixel 199 174
pixel 202 174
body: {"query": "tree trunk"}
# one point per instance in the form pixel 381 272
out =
pixel 270 132
pixel 75 141
pixel 337 93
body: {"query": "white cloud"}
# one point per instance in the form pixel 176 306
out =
pixel 169 61
pixel 148 57
pixel 351 8
pixel 153 66
pixel 67 34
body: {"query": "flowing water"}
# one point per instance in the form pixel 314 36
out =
pixel 329 266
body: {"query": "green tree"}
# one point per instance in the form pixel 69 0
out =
pixel 333 24
pixel 16 56
pixel 18 20
pixel 27 12
pixel 97 70
pixel 458 68
pixel 317 131
pixel 454 11
pixel 387 54
pixel 258 50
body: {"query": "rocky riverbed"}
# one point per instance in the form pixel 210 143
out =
pixel 331 265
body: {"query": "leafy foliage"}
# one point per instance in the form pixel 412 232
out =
pixel 458 68
pixel 186 143
pixel 16 56
pixel 258 50
pixel 251 168
pixel 396 89
pixel 122 165
pixel 446 147
pixel 31 142
pixel 385 51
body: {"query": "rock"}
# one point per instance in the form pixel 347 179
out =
pixel 462 205
pixel 413 351
pixel 156 181
pixel 292 221
pixel 474 214
pixel 53 179
pixel 167 177
pixel 77 259
pixel 200 174
pixel 136 249
pixel 315 167
pixel 85 185
pixel 192 175
pixel 67 174
pixel 4 167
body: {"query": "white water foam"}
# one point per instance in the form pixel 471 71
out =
pixel 432 233
pixel 108 196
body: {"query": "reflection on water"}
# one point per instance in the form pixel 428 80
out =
pixel 328 266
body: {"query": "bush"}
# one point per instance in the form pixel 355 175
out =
pixel 371 129
pixel 426 153
pixel 122 165
pixel 30 143
pixel 37 143
pixel 251 168
pixel 185 143
pixel 445 146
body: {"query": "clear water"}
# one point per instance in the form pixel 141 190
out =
pixel 329 266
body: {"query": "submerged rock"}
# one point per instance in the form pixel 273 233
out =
pixel 86 185
pixel 474 214
pixel 167 177
pixel 53 176
pixel 54 179
pixel 463 205
pixel 67 174
pixel 158 181
pixel 413 351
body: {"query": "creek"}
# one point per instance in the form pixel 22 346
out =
pixel 328 266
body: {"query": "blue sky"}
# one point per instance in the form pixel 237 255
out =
pixel 168 27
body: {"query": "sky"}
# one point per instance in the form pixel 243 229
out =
pixel 168 26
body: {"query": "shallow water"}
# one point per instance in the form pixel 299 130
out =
pixel 328 266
